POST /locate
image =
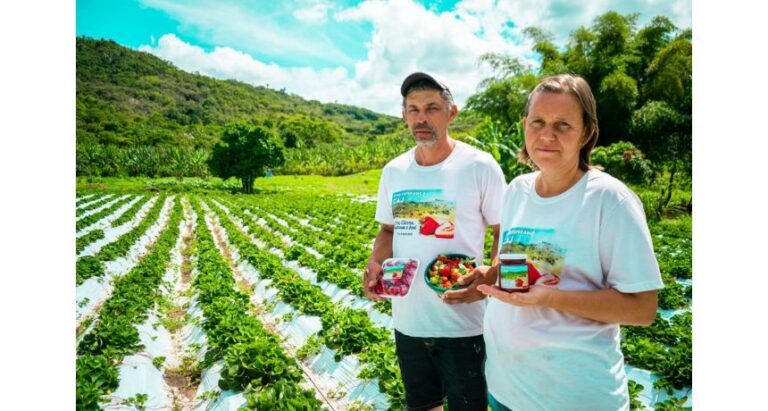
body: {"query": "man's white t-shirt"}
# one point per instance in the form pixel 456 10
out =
pixel 439 209
pixel 593 236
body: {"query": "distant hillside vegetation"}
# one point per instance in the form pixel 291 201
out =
pixel 131 98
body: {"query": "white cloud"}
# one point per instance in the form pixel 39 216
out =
pixel 561 17
pixel 251 29
pixel 228 63
pixel 315 12
pixel 405 37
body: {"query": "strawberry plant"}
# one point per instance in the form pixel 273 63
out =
pixel 672 404
pixel 673 295
pixel 87 267
pixel 380 361
pixel 94 376
pixel 281 395
pixel 350 332
pixel 261 361
pixel 634 391
pixel 89 238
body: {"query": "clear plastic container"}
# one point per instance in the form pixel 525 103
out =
pixel 397 277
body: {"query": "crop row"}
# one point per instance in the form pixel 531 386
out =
pixel 337 264
pixel 92 218
pixel 98 234
pixel 81 199
pixel 346 330
pixel 115 335
pixel 330 266
pixel 91 266
pixel 129 213
pixel 253 359
pixel 331 237
pixel 91 204
pixel 87 239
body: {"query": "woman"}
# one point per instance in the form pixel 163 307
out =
pixel 585 238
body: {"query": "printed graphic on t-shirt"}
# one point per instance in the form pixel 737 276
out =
pixel 424 213
pixel 544 258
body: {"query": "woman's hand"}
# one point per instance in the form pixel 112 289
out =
pixel 537 295
pixel 606 306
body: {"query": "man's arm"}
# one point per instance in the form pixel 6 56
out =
pixel 382 249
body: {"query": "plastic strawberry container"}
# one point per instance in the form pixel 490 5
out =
pixel 397 277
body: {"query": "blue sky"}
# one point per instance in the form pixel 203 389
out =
pixel 350 51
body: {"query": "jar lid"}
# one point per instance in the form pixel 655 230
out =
pixel 513 256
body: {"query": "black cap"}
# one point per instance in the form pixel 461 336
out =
pixel 422 79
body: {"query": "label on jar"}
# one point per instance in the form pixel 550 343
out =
pixel 514 276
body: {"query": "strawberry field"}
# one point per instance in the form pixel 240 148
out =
pixel 211 301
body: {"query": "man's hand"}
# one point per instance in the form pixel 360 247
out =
pixel 483 274
pixel 370 277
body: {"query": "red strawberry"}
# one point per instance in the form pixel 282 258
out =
pixel 445 270
pixel 519 282
pixel 378 288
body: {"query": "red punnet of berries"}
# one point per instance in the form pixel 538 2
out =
pixel 397 277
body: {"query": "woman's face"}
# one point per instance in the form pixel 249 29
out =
pixel 554 131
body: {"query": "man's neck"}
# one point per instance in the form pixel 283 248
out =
pixel 429 156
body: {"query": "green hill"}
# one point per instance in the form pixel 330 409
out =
pixel 130 98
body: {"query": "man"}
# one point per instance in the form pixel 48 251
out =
pixel 458 189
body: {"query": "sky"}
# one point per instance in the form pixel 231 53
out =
pixel 350 51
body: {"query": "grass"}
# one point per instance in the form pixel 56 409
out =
pixel 362 183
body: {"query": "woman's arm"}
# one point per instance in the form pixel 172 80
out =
pixel 608 306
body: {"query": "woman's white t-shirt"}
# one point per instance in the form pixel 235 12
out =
pixel 593 236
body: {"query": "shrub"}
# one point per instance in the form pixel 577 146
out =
pixel 624 161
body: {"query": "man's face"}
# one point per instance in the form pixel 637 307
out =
pixel 428 115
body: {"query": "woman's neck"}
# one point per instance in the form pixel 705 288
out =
pixel 553 183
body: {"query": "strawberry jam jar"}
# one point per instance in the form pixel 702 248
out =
pixel 513 274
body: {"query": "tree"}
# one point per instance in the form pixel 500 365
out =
pixel 503 96
pixel 666 133
pixel 625 67
pixel 670 74
pixel 245 151
pixel 616 97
